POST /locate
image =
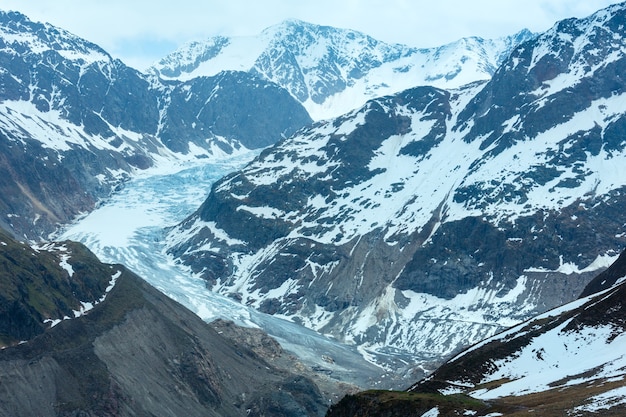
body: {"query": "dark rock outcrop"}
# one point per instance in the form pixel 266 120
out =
pixel 608 278
pixel 136 352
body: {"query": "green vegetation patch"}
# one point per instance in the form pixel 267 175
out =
pixel 395 403
pixel 35 285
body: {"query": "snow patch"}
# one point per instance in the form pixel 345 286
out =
pixel 605 401
pixel 65 265
pixel 86 306
pixel 558 356
pixel 433 412
pixel 601 262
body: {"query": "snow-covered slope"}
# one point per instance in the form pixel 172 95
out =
pixel 428 220
pixel 332 71
pixel 75 123
pixel 570 361
pixel 576 350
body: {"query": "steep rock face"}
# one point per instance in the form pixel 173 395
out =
pixel 431 219
pixel 114 346
pixel 64 105
pixel 607 279
pixel 236 108
pixel 567 361
pixel 331 70
pixel 75 123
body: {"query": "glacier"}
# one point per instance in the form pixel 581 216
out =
pixel 128 229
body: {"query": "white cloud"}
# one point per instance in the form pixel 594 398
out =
pixel 140 31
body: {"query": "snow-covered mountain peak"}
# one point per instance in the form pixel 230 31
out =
pixel 332 71
pixel 308 42
pixel 20 35
pixel 480 199
pixel 490 53
pixel 583 44
pixel 300 35
pixel 292 26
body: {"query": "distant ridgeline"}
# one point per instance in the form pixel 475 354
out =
pixel 332 71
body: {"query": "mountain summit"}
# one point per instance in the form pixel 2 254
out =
pixel 75 123
pixel 430 219
pixel 330 70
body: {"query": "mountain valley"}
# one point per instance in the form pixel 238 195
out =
pixel 271 223
pixel 76 124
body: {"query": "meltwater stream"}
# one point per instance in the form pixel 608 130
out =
pixel 129 227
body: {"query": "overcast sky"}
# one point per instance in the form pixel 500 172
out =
pixel 142 31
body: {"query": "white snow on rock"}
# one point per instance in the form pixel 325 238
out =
pixel 598 403
pixel 559 356
pixel 87 306
pixel 303 57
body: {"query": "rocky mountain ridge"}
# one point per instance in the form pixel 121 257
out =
pixel 332 71
pixel 431 219
pixel 76 123
pixel 80 337
pixel 568 361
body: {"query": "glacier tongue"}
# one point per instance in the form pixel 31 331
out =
pixel 128 230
